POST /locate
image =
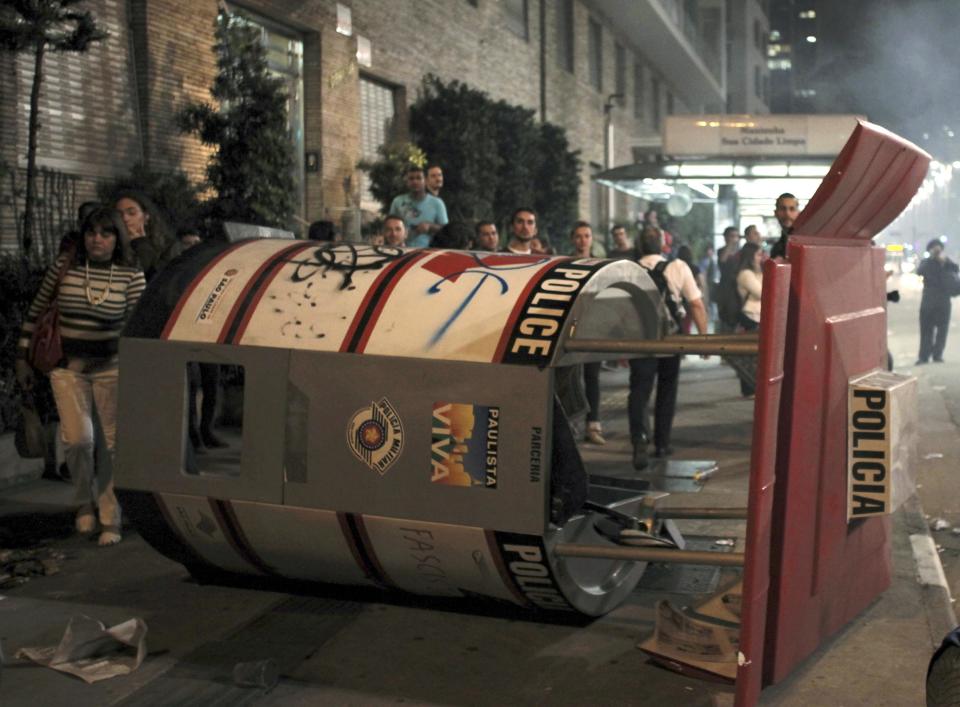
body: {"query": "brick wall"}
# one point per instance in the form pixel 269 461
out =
pixel 87 114
pixel 168 49
pixel 175 65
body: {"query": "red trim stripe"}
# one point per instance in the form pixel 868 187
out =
pixel 376 297
pixel 518 309
pixel 352 544
pixel 381 303
pixel 252 282
pixel 371 553
pixel 230 527
pixel 355 535
pixel 252 307
pixel 174 529
pixel 181 303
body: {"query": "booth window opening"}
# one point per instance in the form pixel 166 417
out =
pixel 213 419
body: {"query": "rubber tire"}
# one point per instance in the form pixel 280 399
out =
pixel 943 682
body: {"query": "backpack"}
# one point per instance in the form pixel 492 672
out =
pixel 671 304
pixel 727 297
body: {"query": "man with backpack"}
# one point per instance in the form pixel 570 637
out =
pixel 676 284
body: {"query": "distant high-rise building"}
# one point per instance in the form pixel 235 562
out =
pixel 792 54
pixel 748 79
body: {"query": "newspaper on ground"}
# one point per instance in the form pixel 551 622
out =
pixel 93 652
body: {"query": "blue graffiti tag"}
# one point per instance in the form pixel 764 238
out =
pixel 486 272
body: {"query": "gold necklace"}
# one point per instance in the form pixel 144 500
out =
pixel 96 301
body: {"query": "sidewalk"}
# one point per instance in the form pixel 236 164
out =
pixel 348 646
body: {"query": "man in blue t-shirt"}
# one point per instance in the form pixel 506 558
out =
pixel 422 213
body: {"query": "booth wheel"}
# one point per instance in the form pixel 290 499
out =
pixel 943 680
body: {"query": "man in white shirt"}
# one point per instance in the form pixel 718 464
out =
pixel 664 371
pixel 523 229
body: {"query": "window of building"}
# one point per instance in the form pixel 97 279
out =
pixel 807 14
pixel 655 103
pixel 638 91
pixel 621 73
pixel 284 50
pixel 758 35
pixel 757 82
pixel 515 14
pixel 565 35
pixel 596 54
pixel 670 105
pixel 779 64
pixel 377 111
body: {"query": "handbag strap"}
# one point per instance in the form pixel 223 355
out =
pixel 67 264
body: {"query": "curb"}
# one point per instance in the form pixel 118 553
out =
pixel 13 469
pixel 937 602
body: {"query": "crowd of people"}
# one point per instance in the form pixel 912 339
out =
pixel 104 265
pixel 724 287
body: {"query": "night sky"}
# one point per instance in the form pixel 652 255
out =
pixel 897 61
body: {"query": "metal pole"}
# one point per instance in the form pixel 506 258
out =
pixel 704 513
pixel 703 344
pixel 651 554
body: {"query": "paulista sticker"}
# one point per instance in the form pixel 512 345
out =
pixel 375 435
pixel 465 445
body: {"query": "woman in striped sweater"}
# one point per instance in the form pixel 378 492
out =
pixel 96 296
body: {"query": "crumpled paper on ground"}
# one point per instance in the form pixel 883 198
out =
pixel 93 652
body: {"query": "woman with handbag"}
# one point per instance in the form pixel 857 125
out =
pixel 73 330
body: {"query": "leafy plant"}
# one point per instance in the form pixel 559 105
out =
pixel 557 177
pixel 39 26
pixel 251 170
pixel 19 282
pixel 495 157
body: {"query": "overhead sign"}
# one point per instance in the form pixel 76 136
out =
pixel 757 135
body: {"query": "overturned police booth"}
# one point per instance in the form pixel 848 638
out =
pixel 398 426
pixel 398 419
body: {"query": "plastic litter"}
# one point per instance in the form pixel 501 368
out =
pixel 939 524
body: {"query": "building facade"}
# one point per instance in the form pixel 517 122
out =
pixel 607 71
pixel 748 77
pixel 792 54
